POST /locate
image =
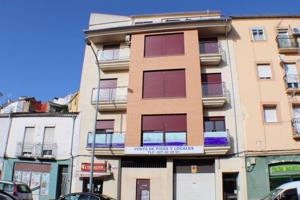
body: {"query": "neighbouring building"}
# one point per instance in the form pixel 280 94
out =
pixel 168 124
pixel 40 150
pixel 5 120
pixel 267 58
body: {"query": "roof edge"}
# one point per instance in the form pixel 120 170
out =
pixel 263 16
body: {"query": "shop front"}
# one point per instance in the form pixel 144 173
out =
pixel 47 180
pixel 265 173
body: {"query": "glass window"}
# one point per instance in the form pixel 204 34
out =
pixel 258 34
pixel 110 52
pixel 212 124
pixel 264 71
pixel 270 113
pixel 290 194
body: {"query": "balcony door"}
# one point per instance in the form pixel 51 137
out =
pixel 284 39
pixel 108 89
pixel 214 124
pixel 28 145
pixel 296 119
pixel 291 74
pixel 212 84
pixel 104 131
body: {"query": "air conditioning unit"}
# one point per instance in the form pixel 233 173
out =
pixel 296 31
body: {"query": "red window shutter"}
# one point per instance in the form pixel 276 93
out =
pixel 152 123
pixel 174 44
pixel 174 123
pixel 161 45
pixel 153 85
pixel 108 83
pixel 174 83
pixel 105 124
pixel 211 78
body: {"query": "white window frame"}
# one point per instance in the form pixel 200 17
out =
pixel 270 113
pixel 258 29
pixel 263 73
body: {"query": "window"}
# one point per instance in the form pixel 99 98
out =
pixel 48 144
pixel 164 45
pixel 258 34
pixel 161 130
pixel 270 113
pixel 110 52
pixel 209 46
pixel 213 124
pixel 164 84
pixel 264 71
pixel 290 194
pixel 28 141
pixel 212 85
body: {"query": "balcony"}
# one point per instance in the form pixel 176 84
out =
pixel 296 128
pixel 210 53
pixel 108 143
pixel 110 99
pixel 288 44
pixel 292 83
pixel 158 138
pixel 114 59
pixel 216 142
pixel 36 151
pixel 214 95
pixel 25 150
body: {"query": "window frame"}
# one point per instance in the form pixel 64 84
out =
pixel 258 72
pixel 252 29
pixel 269 106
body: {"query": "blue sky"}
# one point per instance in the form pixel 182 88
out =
pixel 42 43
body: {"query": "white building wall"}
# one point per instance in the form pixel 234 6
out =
pixel 62 134
pixel 4 128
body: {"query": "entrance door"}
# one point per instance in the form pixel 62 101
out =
pixel 291 75
pixel 143 189
pixel 230 190
pixel 296 119
pixel 98 185
pixel 62 181
pixel 194 180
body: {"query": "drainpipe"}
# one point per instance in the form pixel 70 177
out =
pixel 7 137
pixel 232 89
pixel 71 152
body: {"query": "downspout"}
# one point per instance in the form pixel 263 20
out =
pixel 232 89
pixel 6 142
pixel 71 152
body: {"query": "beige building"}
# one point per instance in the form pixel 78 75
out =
pixel 168 108
pixel 267 58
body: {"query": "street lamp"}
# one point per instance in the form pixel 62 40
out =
pixel 91 188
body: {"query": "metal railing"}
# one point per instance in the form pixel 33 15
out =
pixel 209 47
pixel 296 126
pixel 107 140
pixel 155 138
pixel 36 150
pixel 122 53
pixel 292 81
pixel 214 90
pixel 216 138
pixel 110 95
pixel 287 41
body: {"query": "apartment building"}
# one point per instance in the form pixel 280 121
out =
pixel 267 58
pixel 38 149
pixel 168 108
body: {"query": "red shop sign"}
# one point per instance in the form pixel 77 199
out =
pixel 98 167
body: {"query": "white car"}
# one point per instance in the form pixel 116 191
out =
pixel 18 190
pixel 287 191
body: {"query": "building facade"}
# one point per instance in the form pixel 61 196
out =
pixel 267 59
pixel 40 151
pixel 168 108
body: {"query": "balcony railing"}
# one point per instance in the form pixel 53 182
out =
pixel 107 140
pixel 209 47
pixel 164 138
pixel 214 90
pixel 296 126
pixel 292 81
pixel 114 54
pixel 287 42
pixel 216 138
pixel 110 95
pixel 36 150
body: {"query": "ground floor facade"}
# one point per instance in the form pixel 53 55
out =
pixel 48 179
pixel 265 173
pixel 168 178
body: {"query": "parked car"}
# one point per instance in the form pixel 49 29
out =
pixel 85 196
pixel 287 191
pixel 6 196
pixel 19 191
